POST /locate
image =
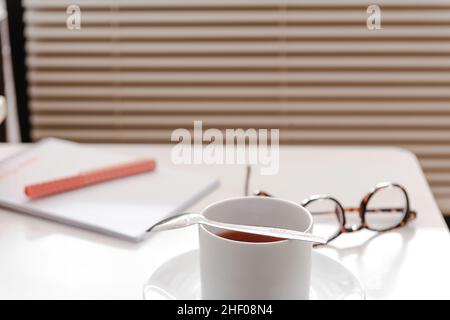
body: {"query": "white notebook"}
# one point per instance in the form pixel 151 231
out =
pixel 125 207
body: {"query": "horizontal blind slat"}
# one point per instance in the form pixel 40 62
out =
pixel 236 92
pixel 234 33
pixel 337 78
pixel 228 3
pixel 252 120
pixel 256 63
pixel 290 16
pixel 223 48
pixel 367 108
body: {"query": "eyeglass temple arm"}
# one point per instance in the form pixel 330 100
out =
pixel 375 210
pixel 248 172
pixel 258 193
pixel 380 210
pixel 355 210
pixel 412 213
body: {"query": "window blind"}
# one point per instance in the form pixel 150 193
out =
pixel 138 69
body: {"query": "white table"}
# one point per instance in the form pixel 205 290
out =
pixel 43 259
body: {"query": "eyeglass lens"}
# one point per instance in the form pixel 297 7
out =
pixel 327 217
pixel 386 208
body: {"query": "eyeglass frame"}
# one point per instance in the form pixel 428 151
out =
pixel 362 210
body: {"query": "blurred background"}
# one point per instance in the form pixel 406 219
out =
pixel 136 70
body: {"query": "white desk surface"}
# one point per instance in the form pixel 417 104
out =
pixel 46 260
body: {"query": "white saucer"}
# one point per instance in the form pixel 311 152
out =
pixel 179 279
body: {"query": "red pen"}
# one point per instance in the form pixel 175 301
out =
pixel 82 180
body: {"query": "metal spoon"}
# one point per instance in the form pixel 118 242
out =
pixel 188 219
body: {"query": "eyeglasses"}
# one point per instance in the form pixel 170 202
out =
pixel 385 207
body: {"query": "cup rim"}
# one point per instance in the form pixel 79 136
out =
pixel 310 225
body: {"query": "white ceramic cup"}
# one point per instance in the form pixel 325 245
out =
pixel 232 269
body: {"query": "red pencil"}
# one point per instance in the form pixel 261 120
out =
pixel 82 180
